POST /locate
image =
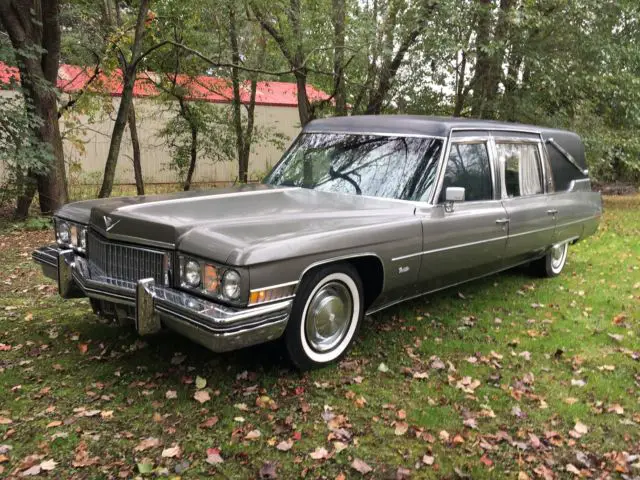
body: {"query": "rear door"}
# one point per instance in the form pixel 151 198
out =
pixel 467 239
pixel 532 219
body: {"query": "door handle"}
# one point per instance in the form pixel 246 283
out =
pixel 502 221
pixel 552 211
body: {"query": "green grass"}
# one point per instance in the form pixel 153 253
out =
pixel 549 333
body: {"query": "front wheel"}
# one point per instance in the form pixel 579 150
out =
pixel 553 262
pixel 325 316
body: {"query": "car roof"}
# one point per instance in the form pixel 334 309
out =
pixel 416 125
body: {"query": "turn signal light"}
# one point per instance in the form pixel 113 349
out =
pixel 211 281
pixel 270 294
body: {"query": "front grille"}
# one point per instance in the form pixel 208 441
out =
pixel 125 262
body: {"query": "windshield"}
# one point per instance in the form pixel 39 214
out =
pixel 372 165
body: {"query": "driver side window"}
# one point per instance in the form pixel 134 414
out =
pixel 468 167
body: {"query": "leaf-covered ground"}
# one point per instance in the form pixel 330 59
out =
pixel 509 376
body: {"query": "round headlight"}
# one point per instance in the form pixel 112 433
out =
pixel 231 284
pixel 192 273
pixel 64 233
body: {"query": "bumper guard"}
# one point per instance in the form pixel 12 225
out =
pixel 218 327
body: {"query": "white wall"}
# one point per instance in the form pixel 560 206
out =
pixel 94 137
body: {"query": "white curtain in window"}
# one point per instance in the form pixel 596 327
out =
pixel 529 170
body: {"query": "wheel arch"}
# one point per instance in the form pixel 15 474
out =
pixel 369 266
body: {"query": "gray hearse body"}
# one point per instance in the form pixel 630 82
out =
pixel 411 204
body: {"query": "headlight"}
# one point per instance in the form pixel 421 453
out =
pixel 231 284
pixel 63 233
pixel 191 274
pixel 211 280
pixel 70 234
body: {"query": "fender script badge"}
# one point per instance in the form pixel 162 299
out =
pixel 109 223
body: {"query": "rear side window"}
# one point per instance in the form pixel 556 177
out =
pixel 468 166
pixel 522 174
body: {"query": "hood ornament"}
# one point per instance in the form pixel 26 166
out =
pixel 109 223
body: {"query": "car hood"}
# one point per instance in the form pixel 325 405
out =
pixel 240 226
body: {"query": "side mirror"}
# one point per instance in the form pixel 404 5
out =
pixel 454 194
pixel 451 196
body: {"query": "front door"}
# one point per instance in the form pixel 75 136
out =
pixel 531 218
pixel 467 239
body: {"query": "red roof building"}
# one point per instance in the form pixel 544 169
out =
pixel 73 78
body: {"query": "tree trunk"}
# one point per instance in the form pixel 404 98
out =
pixel 489 58
pixel 340 96
pixel 193 151
pixel 34 30
pixel 29 186
pixel 129 77
pixel 135 143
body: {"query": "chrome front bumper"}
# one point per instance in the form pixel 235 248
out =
pixel 218 327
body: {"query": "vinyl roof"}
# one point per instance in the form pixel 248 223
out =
pixel 73 78
pixel 416 125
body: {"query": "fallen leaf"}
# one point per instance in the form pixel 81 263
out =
pixel 146 444
pixel 213 456
pixel 470 423
pixel 200 383
pixel 428 460
pixel 253 435
pixel 616 408
pixel 48 465
pixel 55 423
pixel 209 422
pixel 403 473
pixel 202 396
pixel 360 466
pixel 285 445
pixel 35 470
pixel 486 461
pixel 401 428
pixel 572 469
pixel 616 336
pixel 171 395
pixel 82 458
pixel 320 453
pixel 145 467
pixel 83 347
pixel 5 421
pixel 172 452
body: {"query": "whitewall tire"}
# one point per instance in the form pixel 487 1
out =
pixel 552 264
pixel 325 317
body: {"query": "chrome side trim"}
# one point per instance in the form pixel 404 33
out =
pixel 129 208
pixel 567 156
pixel 395 302
pixel 274 286
pixel 461 245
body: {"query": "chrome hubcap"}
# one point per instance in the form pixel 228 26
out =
pixel 328 316
pixel 558 253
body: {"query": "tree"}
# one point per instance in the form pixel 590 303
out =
pixel 34 30
pixel 129 70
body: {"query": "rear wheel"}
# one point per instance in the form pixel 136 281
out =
pixel 325 316
pixel 553 262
